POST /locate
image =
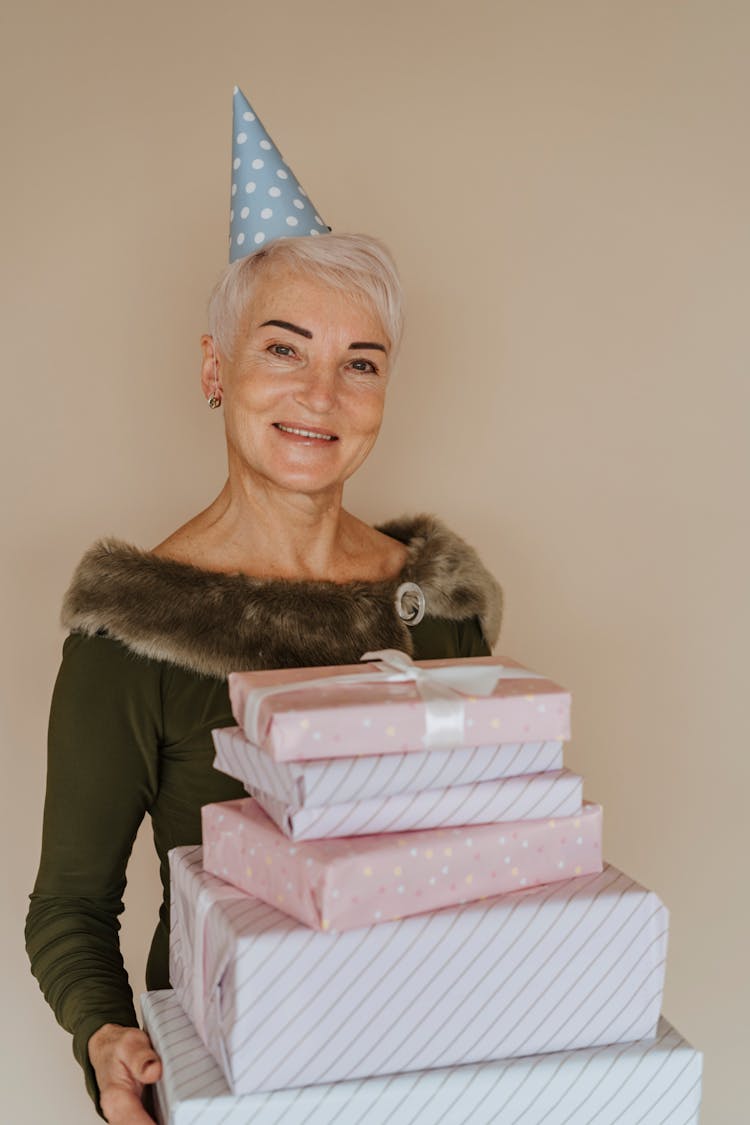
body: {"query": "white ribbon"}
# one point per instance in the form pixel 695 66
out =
pixel 443 690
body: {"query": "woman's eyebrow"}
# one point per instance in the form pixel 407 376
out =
pixel 292 327
pixel 356 346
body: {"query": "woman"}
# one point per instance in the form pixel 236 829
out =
pixel 275 572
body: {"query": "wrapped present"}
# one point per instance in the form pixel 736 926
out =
pixel 352 881
pixel 575 964
pixel 654 1082
pixel 394 705
pixel 531 797
pixel 317 783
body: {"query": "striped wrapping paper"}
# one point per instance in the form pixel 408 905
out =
pixel 575 964
pixel 651 1082
pixel 533 796
pixel 354 881
pixel 314 784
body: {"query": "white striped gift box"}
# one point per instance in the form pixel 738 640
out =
pixel 533 796
pixel 576 964
pixel 651 1082
pixel 314 784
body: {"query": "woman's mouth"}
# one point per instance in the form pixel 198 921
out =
pixel 305 433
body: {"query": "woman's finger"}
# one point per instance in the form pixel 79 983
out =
pixel 148 1070
pixel 141 1059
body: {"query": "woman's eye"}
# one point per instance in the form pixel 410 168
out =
pixel 281 349
pixel 364 365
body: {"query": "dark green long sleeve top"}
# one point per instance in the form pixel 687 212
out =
pixel 130 735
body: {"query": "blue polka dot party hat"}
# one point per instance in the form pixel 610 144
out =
pixel 267 199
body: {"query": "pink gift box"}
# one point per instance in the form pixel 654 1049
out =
pixel 315 720
pixel 359 880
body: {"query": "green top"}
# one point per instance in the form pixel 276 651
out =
pixel 130 735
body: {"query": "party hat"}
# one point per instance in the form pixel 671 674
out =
pixel 267 199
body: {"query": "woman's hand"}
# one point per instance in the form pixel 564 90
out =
pixel 124 1062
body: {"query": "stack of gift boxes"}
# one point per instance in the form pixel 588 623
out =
pixel 409 918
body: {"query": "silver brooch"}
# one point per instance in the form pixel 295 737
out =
pixel 410 603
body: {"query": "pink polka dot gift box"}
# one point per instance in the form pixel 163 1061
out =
pixel 390 704
pixel 341 884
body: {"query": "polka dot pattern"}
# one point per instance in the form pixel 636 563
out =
pixel 520 708
pixel 356 881
pixel 258 167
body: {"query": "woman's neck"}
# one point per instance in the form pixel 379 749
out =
pixel 275 534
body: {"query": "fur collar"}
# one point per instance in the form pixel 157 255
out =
pixel 216 623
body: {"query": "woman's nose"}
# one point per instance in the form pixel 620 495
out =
pixel 317 388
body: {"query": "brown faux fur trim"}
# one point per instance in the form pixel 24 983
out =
pixel 216 623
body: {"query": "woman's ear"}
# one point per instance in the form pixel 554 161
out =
pixel 210 369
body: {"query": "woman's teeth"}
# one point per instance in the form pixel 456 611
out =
pixel 303 433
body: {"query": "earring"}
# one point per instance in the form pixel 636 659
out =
pixel 214 399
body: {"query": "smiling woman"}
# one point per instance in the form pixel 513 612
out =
pixel 303 336
pixel 282 384
pixel 274 573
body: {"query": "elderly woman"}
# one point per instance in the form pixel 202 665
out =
pixel 274 573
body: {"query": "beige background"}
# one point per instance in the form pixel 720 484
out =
pixel 565 186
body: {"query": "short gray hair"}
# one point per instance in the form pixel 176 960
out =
pixel 355 263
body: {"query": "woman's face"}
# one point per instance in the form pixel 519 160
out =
pixel 307 358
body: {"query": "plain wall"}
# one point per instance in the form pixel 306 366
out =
pixel 565 186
